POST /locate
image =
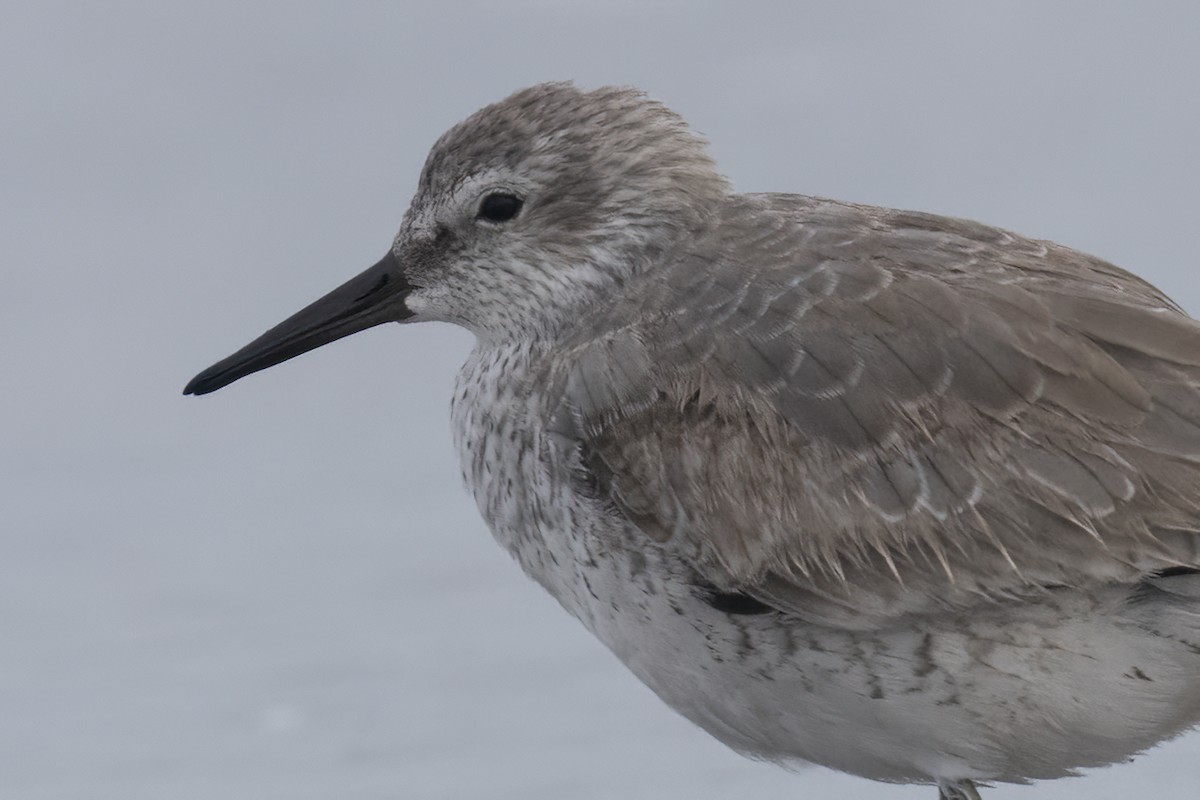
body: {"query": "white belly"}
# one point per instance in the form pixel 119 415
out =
pixel 1014 693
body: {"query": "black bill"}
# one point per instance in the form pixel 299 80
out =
pixel 372 298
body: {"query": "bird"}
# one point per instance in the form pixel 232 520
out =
pixel 908 496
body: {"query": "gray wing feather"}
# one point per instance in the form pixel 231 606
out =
pixel 836 392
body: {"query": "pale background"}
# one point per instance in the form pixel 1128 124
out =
pixel 282 591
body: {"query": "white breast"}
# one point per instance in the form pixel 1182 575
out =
pixel 532 512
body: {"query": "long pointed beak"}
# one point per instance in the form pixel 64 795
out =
pixel 372 298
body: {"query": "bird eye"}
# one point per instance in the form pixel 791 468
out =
pixel 500 207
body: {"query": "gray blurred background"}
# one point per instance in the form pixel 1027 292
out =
pixel 282 591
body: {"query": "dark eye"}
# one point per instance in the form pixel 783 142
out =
pixel 500 207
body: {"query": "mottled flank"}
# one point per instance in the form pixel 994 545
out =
pixel 908 496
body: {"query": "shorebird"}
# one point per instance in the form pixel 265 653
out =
pixel 908 496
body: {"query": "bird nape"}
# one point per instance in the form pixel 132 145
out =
pixel 908 496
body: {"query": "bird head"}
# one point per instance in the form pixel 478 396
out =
pixel 528 214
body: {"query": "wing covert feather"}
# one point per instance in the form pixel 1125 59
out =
pixel 836 392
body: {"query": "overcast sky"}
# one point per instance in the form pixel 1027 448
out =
pixel 282 591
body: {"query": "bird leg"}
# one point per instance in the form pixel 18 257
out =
pixel 958 790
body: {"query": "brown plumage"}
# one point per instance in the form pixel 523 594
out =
pixel 847 393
